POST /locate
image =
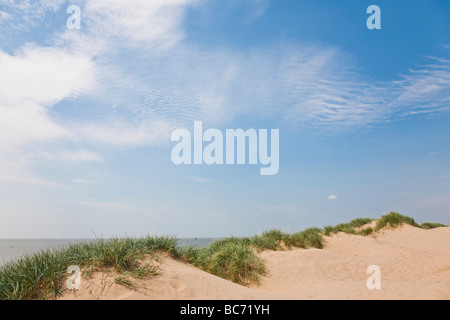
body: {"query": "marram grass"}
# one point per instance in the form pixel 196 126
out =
pixel 349 227
pixel 395 219
pixel 41 276
pixel 432 225
pixel 235 259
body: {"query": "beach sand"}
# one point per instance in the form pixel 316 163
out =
pixel 414 264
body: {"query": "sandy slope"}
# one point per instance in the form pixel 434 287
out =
pixel 414 263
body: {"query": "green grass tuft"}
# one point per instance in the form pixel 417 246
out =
pixel 347 227
pixel 235 259
pixel 394 219
pixel 231 258
pixel 359 222
pixel 236 262
pixel 432 225
pixel 311 237
pixel 365 232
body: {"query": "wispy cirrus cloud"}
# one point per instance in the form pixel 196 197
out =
pixel 425 89
pixel 25 14
pixel 168 80
pixel 155 23
pixel 298 86
pixel 35 78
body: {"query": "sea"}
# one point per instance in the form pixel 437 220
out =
pixel 14 249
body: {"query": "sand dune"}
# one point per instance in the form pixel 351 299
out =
pixel 414 264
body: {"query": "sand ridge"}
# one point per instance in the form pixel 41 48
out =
pixel 414 264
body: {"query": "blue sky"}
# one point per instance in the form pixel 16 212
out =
pixel 86 115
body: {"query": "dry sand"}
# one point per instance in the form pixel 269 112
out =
pixel 414 264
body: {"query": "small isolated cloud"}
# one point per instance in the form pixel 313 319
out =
pixel 332 197
pixel 200 180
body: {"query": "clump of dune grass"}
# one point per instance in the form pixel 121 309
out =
pixel 365 232
pixel 269 240
pixel 41 276
pixel 277 240
pixel 233 259
pixel 395 219
pixel 349 227
pixel 309 238
pixel 236 262
pixel 432 225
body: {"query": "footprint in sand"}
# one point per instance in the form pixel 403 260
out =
pixel 177 284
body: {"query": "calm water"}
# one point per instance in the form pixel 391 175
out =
pixel 16 248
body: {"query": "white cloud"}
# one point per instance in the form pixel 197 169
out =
pixel 425 89
pixel 297 86
pixel 34 79
pixel 24 14
pixel 43 75
pixel 303 87
pixel 31 81
pixel 156 22
pixel 332 197
pixel 166 82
